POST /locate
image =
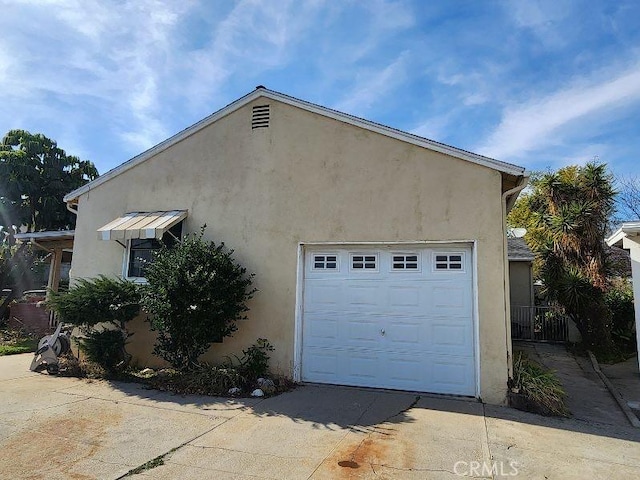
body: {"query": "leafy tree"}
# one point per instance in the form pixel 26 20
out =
pixel 566 214
pixel 196 293
pixel 15 264
pixel 36 174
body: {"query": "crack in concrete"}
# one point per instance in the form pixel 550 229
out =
pixel 40 409
pixel 401 469
pixel 187 442
pixel 486 448
pixel 244 474
pixel 281 457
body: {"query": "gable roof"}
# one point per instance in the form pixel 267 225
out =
pixel 503 167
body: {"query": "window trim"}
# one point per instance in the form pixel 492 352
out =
pixel 462 262
pixel 405 254
pixel 363 269
pixel 312 261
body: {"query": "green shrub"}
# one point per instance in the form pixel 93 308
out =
pixel 255 360
pixel 106 348
pixel 619 299
pixel 100 300
pixel 540 386
pixel 196 293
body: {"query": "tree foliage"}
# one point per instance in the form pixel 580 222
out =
pixel 36 174
pixel 15 265
pixel 566 214
pixel 196 293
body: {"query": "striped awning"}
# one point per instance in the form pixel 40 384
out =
pixel 141 225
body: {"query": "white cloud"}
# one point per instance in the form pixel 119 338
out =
pixel 370 87
pixel 540 122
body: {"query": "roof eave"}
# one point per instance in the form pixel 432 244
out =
pixel 626 230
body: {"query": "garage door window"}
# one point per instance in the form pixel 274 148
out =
pixel 403 262
pixel 449 261
pixel 325 262
pixel 364 262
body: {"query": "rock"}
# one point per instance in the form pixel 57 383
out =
pixel 257 393
pixel 235 391
pixel 266 385
pixel 147 371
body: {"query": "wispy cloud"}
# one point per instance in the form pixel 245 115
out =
pixel 539 122
pixel 372 86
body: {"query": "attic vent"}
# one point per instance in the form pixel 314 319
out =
pixel 260 118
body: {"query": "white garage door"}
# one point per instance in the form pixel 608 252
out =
pixel 389 317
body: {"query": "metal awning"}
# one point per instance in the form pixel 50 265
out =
pixel 141 225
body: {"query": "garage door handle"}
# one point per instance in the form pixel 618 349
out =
pixel 382 332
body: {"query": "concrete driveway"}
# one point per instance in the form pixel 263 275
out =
pixel 67 428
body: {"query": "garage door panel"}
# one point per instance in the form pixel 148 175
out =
pixel 452 374
pixel 386 328
pixel 450 337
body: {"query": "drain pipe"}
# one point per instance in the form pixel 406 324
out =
pixel 71 209
pixel 507 302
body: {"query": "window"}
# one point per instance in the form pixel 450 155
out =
pixel 364 262
pixel 141 250
pixel 449 261
pixel 325 262
pixel 404 261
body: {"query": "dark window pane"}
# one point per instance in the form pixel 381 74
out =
pixel 398 258
pixel 441 266
pixel 455 266
pixel 369 265
pixel 370 258
pixel 412 258
pixel 441 258
pixel 398 265
pixel 359 258
pixel 357 265
pixel 319 265
pixel 455 258
pixel 331 265
pixel 412 265
pixel 331 258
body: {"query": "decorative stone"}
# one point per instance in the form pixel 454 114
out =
pixel 257 393
pixel 235 391
pixel 266 385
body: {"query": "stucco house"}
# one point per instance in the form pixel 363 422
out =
pixel 380 256
pixel 628 237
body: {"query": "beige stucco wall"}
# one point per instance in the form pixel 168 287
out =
pixel 307 178
pixel 521 283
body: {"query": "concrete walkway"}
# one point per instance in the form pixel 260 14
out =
pixel 625 377
pixel 587 397
pixel 60 428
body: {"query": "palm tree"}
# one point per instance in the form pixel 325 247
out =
pixel 570 212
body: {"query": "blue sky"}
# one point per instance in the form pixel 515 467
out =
pixel 536 83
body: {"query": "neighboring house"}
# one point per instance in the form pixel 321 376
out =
pixel 628 237
pixel 380 256
pixel 521 260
